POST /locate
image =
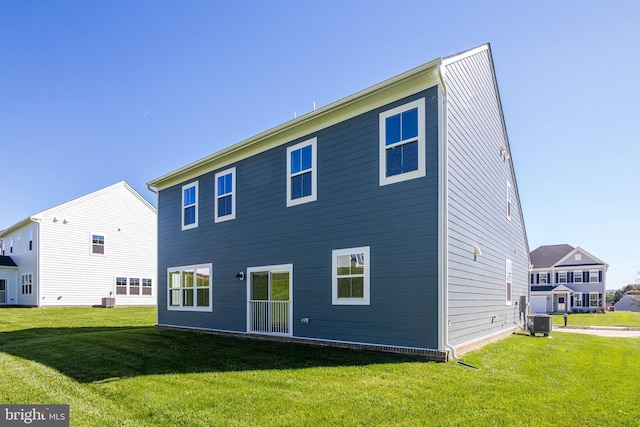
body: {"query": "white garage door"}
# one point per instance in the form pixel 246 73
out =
pixel 539 304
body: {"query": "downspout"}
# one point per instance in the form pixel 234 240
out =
pixel 443 218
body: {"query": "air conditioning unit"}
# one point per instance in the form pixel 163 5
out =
pixel 108 302
pixel 540 324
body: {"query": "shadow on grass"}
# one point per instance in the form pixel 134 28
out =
pixel 95 354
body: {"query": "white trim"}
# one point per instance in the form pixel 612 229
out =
pixel 597 294
pixel 421 139
pixel 577 273
pixel 508 271
pixel 443 216
pixel 577 296
pixel 314 173
pixel 566 276
pixel 509 203
pixel 366 291
pixel 193 268
pixel 195 204
pixel 232 215
pixel 280 268
pixel 104 244
pixel 597 274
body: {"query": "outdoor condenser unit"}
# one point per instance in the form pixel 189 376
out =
pixel 540 323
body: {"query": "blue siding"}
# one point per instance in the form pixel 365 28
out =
pixel 477 177
pixel 399 222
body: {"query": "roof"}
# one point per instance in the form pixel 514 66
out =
pixel 548 256
pixel 6 261
pixel 36 217
pixel 402 85
pixel 562 256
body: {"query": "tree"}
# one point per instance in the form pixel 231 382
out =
pixel 614 297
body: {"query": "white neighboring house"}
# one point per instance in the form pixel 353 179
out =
pixel 99 245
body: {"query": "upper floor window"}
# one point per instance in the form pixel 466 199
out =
pixel 577 277
pixel 542 278
pixel 508 200
pixel 190 206
pixel 30 240
pixel 97 244
pixel 562 277
pixel 302 173
pixel 225 208
pixel 402 143
pixel 350 276
pixel 508 280
pixel 594 276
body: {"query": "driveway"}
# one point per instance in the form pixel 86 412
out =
pixel 603 331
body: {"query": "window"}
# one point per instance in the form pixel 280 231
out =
pixel 121 285
pixel 594 299
pixel 577 299
pixel 542 278
pixel 562 277
pixel 508 200
pixel 97 242
pixel 594 276
pixel 302 173
pixel 190 288
pixel 350 276
pixel 30 240
pixel 11 246
pixel 225 208
pixel 577 277
pixel 402 143
pixel 190 206
pixel 578 257
pixel 146 287
pixel 134 286
pixel 27 284
pixel 508 280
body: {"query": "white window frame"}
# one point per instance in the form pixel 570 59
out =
pixel 561 275
pixel 195 307
pixel 27 284
pixel 313 142
pixel 542 281
pixel 508 278
pixel 103 245
pixel 509 204
pixel 195 205
pixel 422 167
pixel 597 295
pixel 577 274
pixel 122 284
pixel 577 299
pixel 366 292
pixel 232 215
pixel 146 284
pixel 592 274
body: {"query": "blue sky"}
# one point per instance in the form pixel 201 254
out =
pixel 94 92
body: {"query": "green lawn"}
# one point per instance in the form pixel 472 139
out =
pixel 610 318
pixel 115 369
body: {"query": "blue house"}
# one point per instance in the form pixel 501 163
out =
pixel 389 219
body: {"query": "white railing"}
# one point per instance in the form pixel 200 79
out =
pixel 269 317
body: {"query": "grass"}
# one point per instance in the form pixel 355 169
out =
pixel 610 318
pixel 115 369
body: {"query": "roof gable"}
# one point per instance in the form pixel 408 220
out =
pixel 548 256
pixel 579 257
pixel 40 215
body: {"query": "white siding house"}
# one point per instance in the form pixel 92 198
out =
pixel 99 245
